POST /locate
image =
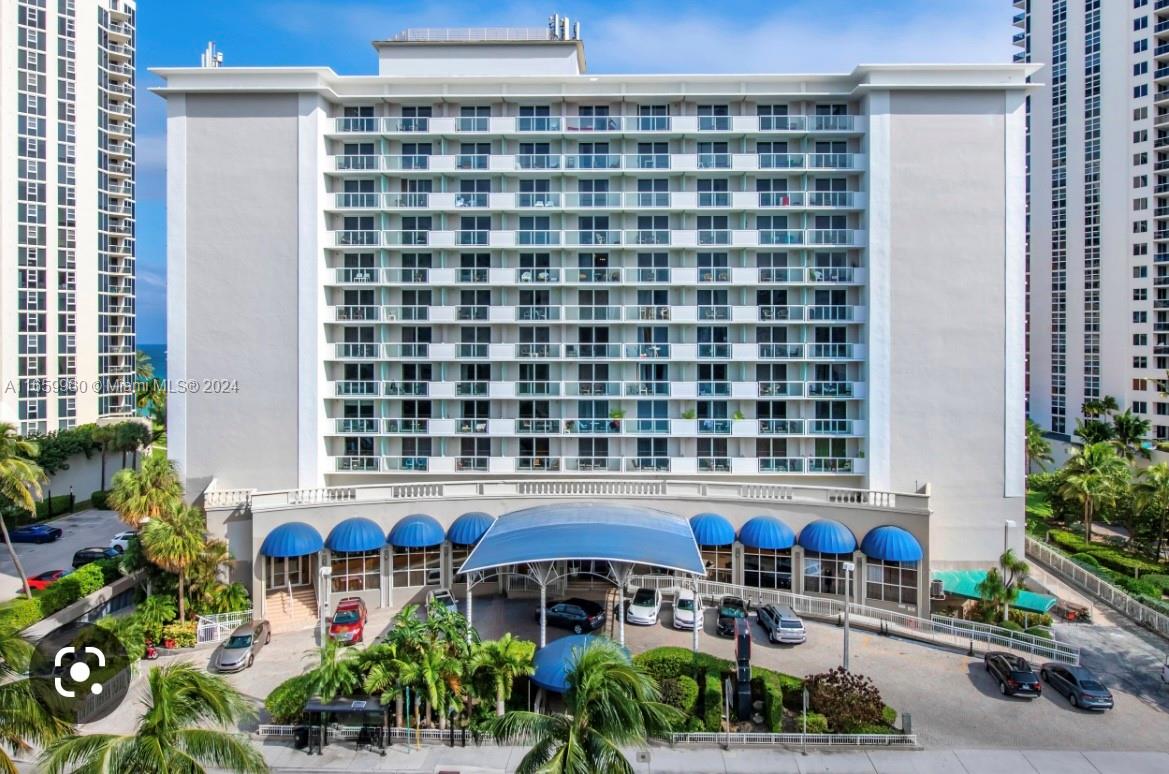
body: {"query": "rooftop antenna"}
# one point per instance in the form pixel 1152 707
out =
pixel 576 31
pixel 564 32
pixel 554 26
pixel 211 57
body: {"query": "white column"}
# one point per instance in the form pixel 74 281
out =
pixel 543 615
pixel 699 617
pixel 470 620
pixel 879 268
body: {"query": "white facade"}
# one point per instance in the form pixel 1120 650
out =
pixel 66 212
pixel 540 273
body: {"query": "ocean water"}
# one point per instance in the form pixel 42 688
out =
pixel 157 354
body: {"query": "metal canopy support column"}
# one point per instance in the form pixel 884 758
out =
pixel 620 572
pixel 699 616
pixel 543 573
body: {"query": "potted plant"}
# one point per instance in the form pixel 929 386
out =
pixel 689 414
pixel 737 415
pixel 615 417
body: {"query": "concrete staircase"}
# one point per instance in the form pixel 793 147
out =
pixel 287 615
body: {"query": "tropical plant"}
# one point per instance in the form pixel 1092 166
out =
pixel 846 699
pixel 181 730
pixel 610 703
pixel 1152 494
pixel 143 366
pixel 438 677
pixel 174 541
pixel 24 720
pixel 103 436
pixel 225 598
pixel 1099 407
pixel 143 494
pixel 155 612
pixel 1002 584
pixel 502 661
pixel 20 482
pixel 336 672
pixel 1038 448
pixel 1093 431
pixel 1130 434
pixel 379 664
pixel 1093 478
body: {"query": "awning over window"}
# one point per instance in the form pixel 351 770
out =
pixel 469 527
pixel 416 531
pixel 891 544
pixel 711 529
pixel 294 538
pixel 768 533
pixel 828 537
pixel 964 583
pixel 355 534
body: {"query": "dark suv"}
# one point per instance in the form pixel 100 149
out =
pixel 1015 676
pixel 93 554
pixel 730 609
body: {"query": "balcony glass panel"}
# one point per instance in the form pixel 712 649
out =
pixel 538 161
pixel 476 124
pixel 407 426
pixel 537 388
pixel 413 275
pixel 586 351
pixel 830 389
pixel 714 313
pixel 721 351
pixel 537 426
pixel 407 463
pixel 598 275
pixel 781 426
pixel 830 312
pixel 592 388
pixel 593 463
pixel 706 389
pixel 357 425
pixel 714 123
pixel 357 350
pixel 538 124
pixel 538 200
pixel 537 350
pixel 592 161
pixel 537 463
pixel 407 200
pixel 471 388
pixel 470 200
pixel 538 237
pixel 472 161
pixel 658 464
pixel 407 388
pixel 473 350
pixel 714 464
pixel 714 161
pixel 781 237
pixel 537 313
pixel 357 313
pixel 770 389
pixel 647 388
pixel 781 350
pixel 781 465
pixel 357 464
pixel 537 276
pixel 357 200
pixel 830 465
pixel 647 351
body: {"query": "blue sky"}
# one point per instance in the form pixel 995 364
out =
pixel 641 36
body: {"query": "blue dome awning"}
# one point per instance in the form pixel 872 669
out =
pixel 828 537
pixel 469 527
pixel 555 660
pixel 355 534
pixel 766 532
pixel 891 544
pixel 294 538
pixel 710 529
pixel 416 531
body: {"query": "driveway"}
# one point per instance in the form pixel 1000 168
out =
pixel 83 529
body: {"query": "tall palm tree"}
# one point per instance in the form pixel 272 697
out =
pixel 143 366
pixel 138 495
pixel 382 678
pixel 1152 494
pixel 20 482
pixel 610 703
pixel 1129 434
pixel 174 542
pixel 181 730
pixel 336 672
pixel 1038 448
pixel 1093 430
pixel 24 720
pixel 1094 477
pixel 502 661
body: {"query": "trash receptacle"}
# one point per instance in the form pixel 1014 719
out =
pixel 301 738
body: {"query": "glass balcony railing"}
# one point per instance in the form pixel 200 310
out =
pixel 831 350
pixel 714 123
pixel 538 124
pixel 830 389
pixel 830 465
pixel 407 463
pixel 361 124
pixel 409 349
pixel 781 351
pixel 645 199
pixel 537 276
pixel 588 351
pixel 657 464
pixel 358 200
pixel 357 464
pixel 472 161
pixel 471 463
pixel 714 199
pixel 472 237
pixel 472 425
pixel 357 350
pixel 539 350
pixel 538 161
pixel 473 274
pixel 357 313
pixel 473 124
pixel 470 200
pixel 407 200
pixel 363 425
pixel 717 351
pixel 357 388
pixel 537 313
pixel 406 388
pixel 413 276
pixel 838 313
pixel 647 351
pixel 768 313
pixel 475 351
pixel 719 312
pixel 649 161
pixel 714 464
pixel 408 124
pixel 542 199
pixel 538 237
pixel 660 389
pixel 831 426
pixel 598 275
pixel 537 426
pixel 714 389
pixel 592 123
pixel 471 388
pixel 781 426
pixel 780 389
pixel 592 161
pixel 537 463
pixel 537 388
pixel 408 426
pixel 592 388
pixel 464 313
pixel 714 161
pixel 593 464
pixel 714 274
pixel 781 465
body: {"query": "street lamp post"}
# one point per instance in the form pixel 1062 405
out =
pixel 325 572
pixel 849 568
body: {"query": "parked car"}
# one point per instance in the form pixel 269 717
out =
pixel 239 650
pixel 35 533
pixel 347 625
pixel 730 609
pixel 1078 684
pixel 442 598
pixel 121 541
pixel 46 579
pixel 93 554
pixel 580 615
pixel 781 624
pixel 687 610
pixel 644 607
pixel 1015 676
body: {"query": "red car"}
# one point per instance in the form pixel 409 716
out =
pixel 46 579
pixel 348 623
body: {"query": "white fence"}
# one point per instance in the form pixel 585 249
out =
pixel 213 628
pixel 953 632
pixel 1097 587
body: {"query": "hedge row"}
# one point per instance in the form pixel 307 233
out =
pixel 768 685
pixel 712 718
pixel 681 693
pixel 18 614
pixel 1106 556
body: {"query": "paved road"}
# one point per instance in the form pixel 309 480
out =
pixel 83 529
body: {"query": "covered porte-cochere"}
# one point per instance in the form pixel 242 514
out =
pixel 546 543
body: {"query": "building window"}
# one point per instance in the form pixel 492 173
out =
pixel 891 581
pixel 1140 407
pixel 357 570
pixel 1140 361
pixel 824 573
pixel 414 567
pixel 717 560
pixel 767 568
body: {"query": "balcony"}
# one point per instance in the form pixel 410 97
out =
pixel 592 464
pixel 466 313
pixel 407 463
pixel 407 125
pixel 714 351
pixel 780 389
pixel 781 426
pixel 832 351
pixel 654 312
pixel 592 313
pixel 537 388
pixel 592 388
pixel 357 425
pixel 357 350
pixel 407 389
pixel 357 313
pixel 537 237
pixel 597 275
pixel 781 465
pixel 651 464
pixel 714 464
pixel 592 161
pixel 538 161
pixel 358 464
pixel 830 389
pixel 645 389
pixel 408 350
pixel 356 125
pixel 590 351
pixel 470 389
pixel 768 313
pixel 357 238
pixel 537 463
pixel 537 426
pixel 592 200
pixel 592 426
pixel 831 465
pixel 830 426
pixel 838 313
pixel 773 351
pixel 407 201
pixel 537 276
pixel 407 426
pixel 537 313
pixel 395 313
pixel 718 312
pixel 714 389
pixel 537 200
pixel 356 276
pixel 714 426
pixel 361 388
pixel 473 426
pixel 542 350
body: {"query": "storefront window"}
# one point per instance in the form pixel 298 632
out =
pixel 414 567
pixel 767 568
pixel 891 581
pixel 356 570
pixel 824 573
pixel 717 560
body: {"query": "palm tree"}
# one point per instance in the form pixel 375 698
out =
pixel 181 730
pixel 1093 477
pixel 174 542
pixel 138 495
pixel 1129 433
pixel 502 661
pixel 336 672
pixel 143 366
pixel 1093 430
pixel 20 482
pixel 24 720
pixel 1038 448
pixel 610 703
pixel 382 676
pixel 1152 493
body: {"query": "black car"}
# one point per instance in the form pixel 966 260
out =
pixel 580 615
pixel 35 533
pixel 1015 676
pixel 730 609
pixel 93 554
pixel 1078 684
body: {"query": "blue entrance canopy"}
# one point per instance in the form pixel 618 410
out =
pixel 555 660
pixel 355 534
pixel 588 531
pixel 416 531
pixel 711 529
pixel 294 538
pixel 469 527
pixel 891 544
pixel 828 537
pixel 767 533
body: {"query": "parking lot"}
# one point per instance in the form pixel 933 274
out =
pixel 83 529
pixel 953 702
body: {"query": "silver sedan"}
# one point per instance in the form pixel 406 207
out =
pixel 239 650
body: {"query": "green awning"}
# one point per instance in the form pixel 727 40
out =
pixel 964 583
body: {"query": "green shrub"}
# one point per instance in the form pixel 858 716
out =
pixel 1040 631
pixel 286 702
pixel 1157 579
pixel 182 633
pixel 872 728
pixel 1085 559
pixel 1137 587
pixel 767 684
pixel 129 631
pixel 100 499
pixel 847 699
pixel 1011 625
pixel 666 662
pixel 60 505
pixel 817 723
pixel 1025 618
pixel 1045 483
pixel 889 715
pixel 18 614
pixel 1106 556
pixel 713 698
pixel 681 693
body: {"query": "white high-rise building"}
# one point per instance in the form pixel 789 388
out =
pixel 66 212
pixel 483 263
pixel 1098 166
